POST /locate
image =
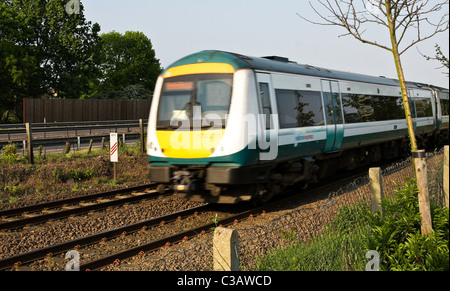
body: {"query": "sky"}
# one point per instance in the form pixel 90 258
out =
pixel 262 28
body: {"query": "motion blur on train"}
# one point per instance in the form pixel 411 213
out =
pixel 225 127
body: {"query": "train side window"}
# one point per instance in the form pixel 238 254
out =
pixel 444 106
pixel 358 108
pixel 265 102
pixel 366 108
pixel 299 108
pixel 379 107
pixel 351 112
pixel 399 110
pixel 423 107
pixel 443 96
pixel 412 107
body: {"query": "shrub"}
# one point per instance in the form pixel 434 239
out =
pixel 396 234
pixel 9 153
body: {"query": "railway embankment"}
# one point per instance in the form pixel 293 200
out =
pixel 60 176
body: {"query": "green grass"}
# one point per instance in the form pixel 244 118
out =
pixel 340 247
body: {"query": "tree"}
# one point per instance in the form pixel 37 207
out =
pixel 47 50
pixel 128 66
pixel 20 74
pixel 398 17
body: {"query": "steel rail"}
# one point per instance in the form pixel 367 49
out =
pixel 156 244
pixel 292 196
pixel 95 238
pixel 70 201
pixel 288 197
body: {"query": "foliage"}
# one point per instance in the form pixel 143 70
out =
pixel 440 57
pixel 128 65
pixel 47 52
pixel 44 50
pixel 77 174
pixel 9 153
pixel 10 150
pixel 396 234
pixel 19 71
pixel 131 92
pixel 215 219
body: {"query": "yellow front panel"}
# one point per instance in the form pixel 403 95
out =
pixel 189 144
pixel 200 68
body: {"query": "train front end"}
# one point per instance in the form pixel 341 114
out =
pixel 194 143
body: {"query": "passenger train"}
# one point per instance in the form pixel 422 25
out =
pixel 225 127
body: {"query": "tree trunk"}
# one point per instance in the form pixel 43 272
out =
pixel 401 78
pixel 419 165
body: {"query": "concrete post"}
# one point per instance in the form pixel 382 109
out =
pixel 376 185
pixel 420 163
pixel 226 250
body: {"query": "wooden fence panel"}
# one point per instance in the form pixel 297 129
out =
pixel 58 111
pixel 74 110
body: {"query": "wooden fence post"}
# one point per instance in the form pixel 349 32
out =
pixel 30 143
pixel 226 249
pixel 90 146
pixel 376 185
pixel 420 163
pixel 67 147
pixel 446 174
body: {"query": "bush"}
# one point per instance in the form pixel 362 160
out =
pixel 78 174
pixel 9 153
pixel 396 234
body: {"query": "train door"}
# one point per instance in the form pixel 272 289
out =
pixel 268 120
pixel 333 115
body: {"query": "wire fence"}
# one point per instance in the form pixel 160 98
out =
pixel 324 235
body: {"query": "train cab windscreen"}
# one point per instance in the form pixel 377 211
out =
pixel 199 101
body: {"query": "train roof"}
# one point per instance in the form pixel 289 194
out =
pixel 283 65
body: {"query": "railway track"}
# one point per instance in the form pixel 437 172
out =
pixel 105 248
pixel 99 238
pixel 109 247
pixel 39 213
